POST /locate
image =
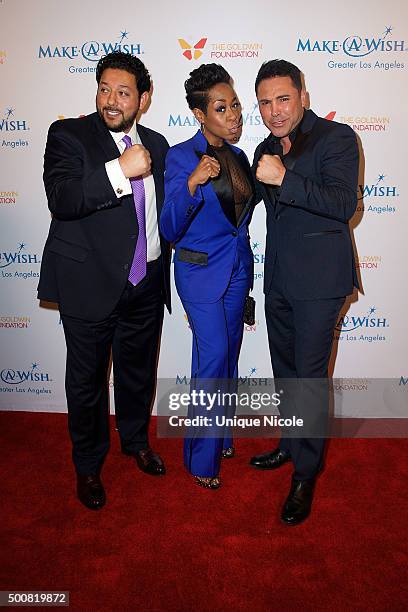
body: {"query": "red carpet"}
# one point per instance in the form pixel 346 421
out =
pixel 164 544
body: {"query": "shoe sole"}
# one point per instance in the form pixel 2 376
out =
pixel 268 467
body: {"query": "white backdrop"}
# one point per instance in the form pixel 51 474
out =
pixel 355 64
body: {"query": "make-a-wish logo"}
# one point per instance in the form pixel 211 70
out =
pixel 90 50
pixel 354 45
pixel 251 380
pixel 381 190
pixel 191 52
pixel 366 326
pixel 16 377
pixel 253 123
pixel 11 126
pixel 20 257
pixel 10 123
pixel 182 120
pixel 259 260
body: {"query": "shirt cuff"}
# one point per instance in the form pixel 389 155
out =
pixel 120 184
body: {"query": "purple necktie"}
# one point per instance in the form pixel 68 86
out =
pixel 138 269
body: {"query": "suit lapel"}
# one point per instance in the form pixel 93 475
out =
pixel 301 139
pixel 223 190
pixel 247 169
pixel 105 139
pixel 221 184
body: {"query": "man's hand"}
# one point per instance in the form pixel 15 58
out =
pixel 207 168
pixel 270 170
pixel 135 161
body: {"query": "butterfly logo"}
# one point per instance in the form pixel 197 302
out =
pixel 188 49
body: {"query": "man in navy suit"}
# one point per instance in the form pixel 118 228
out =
pixel 307 171
pixel 107 267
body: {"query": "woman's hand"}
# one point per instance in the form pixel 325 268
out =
pixel 206 169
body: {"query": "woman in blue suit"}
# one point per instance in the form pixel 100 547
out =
pixel 209 198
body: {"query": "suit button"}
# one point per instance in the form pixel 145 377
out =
pixel 126 267
pixel 133 237
pixel 234 233
pixel 292 201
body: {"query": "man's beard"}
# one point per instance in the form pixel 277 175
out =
pixel 125 124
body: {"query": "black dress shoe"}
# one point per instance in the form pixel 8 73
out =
pixel 90 491
pixel 148 461
pixel 270 461
pixel 299 501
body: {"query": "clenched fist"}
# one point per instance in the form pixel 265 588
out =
pixel 135 161
pixel 270 170
pixel 206 169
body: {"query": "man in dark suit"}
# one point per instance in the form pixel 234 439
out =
pixel 307 172
pixel 107 267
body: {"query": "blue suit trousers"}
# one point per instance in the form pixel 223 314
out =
pixel 217 335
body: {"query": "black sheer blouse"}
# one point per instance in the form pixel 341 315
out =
pixel 240 189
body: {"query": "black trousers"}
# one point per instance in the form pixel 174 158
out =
pixel 131 333
pixel 300 334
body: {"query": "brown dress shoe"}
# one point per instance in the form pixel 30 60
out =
pixel 90 491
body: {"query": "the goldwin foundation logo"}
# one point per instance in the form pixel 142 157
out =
pixel 192 51
pixel 369 262
pixel 364 123
pixel 14 322
pixel 3 55
pixel 8 197
pixel 235 50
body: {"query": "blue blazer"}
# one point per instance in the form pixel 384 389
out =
pixel 206 241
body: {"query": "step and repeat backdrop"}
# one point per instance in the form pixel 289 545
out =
pixel 355 63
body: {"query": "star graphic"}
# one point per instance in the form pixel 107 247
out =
pixel 372 310
pixel 255 245
pixel 34 366
pixel 21 246
pixel 388 29
pixel 381 177
pixel 252 371
pixel 123 35
pixel 9 112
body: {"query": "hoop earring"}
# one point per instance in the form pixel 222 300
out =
pixel 202 128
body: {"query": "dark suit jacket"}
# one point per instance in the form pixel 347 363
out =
pixel 93 233
pixel 307 229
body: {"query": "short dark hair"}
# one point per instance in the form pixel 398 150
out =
pixel 200 82
pixel 128 62
pixel 279 68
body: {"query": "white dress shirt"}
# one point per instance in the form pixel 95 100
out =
pixel 122 187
